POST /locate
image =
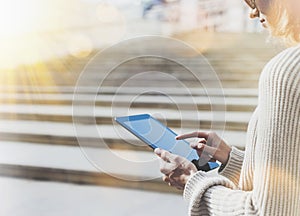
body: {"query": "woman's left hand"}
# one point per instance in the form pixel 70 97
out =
pixel 176 169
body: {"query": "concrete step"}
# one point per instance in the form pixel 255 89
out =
pixel 229 73
pixel 162 83
pixel 138 170
pixel 25 197
pixel 228 76
pixel 135 101
pixel 101 115
pixel 116 80
pixel 106 136
pixel 126 90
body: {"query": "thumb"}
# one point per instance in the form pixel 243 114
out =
pixel 157 151
pixel 200 147
pixel 164 155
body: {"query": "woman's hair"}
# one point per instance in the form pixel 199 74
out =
pixel 284 20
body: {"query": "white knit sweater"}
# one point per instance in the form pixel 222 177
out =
pixel 265 179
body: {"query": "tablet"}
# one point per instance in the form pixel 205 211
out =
pixel 156 135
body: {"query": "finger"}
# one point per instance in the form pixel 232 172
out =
pixel 202 140
pixel 174 183
pixel 209 150
pixel 169 161
pixel 158 151
pixel 161 153
pixel 204 156
pixel 197 146
pixel 212 160
pixel 166 178
pixel 198 134
pixel 168 157
pixel 165 155
pixel 205 151
pixel 177 186
pixel 167 168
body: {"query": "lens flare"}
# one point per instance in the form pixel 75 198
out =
pixel 108 14
pixel 80 45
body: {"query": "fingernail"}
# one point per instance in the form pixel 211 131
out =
pixel 194 145
pixel 157 151
pixel 200 145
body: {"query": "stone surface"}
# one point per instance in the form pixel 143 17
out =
pixel 21 197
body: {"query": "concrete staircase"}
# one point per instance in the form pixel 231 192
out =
pixel 37 135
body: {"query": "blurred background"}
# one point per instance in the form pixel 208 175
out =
pixel 46 44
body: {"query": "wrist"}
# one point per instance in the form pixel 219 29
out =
pixel 226 155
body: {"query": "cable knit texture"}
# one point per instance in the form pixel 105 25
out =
pixel 265 179
pixel 233 168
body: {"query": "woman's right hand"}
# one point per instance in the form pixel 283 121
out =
pixel 209 146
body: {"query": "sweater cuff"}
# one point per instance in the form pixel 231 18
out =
pixel 192 184
pixel 198 184
pixel 233 167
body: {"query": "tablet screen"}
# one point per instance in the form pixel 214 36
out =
pixel 157 135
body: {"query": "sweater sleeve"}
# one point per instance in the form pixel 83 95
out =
pixel 233 167
pixel 276 177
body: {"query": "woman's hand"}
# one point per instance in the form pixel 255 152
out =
pixel 176 169
pixel 210 146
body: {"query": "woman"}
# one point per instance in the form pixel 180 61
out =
pixel 265 179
